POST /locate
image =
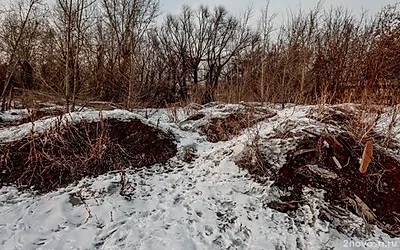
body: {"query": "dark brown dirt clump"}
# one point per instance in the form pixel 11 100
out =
pixel 374 196
pixel 195 117
pixel 67 154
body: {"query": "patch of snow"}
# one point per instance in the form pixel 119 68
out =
pixel 13 115
pixel 18 132
pixel 207 204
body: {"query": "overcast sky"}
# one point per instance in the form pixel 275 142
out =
pixel 280 7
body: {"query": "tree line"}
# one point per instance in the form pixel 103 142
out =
pixel 116 51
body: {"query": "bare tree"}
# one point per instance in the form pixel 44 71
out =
pixel 127 22
pixel 72 21
pixel 229 36
pixel 174 38
pixel 18 32
pixel 202 43
pixel 265 29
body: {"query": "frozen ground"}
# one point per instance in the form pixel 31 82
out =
pixel 207 204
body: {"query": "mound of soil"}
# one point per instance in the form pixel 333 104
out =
pixel 223 128
pixel 64 155
pixel 374 196
pixel 256 162
pixel 335 116
pixel 352 121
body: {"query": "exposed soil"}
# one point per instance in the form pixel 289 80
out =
pixel 64 155
pixel 374 196
pixel 222 129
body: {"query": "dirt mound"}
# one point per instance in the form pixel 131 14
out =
pixel 223 128
pixel 255 160
pixel 67 154
pixel 332 163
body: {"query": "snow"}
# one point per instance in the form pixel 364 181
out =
pixel 40 126
pixel 13 115
pixel 208 204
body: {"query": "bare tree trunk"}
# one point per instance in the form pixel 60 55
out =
pixel 68 31
pixel 7 91
pixel 262 81
pixel 13 54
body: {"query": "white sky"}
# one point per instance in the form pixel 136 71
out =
pixel 280 7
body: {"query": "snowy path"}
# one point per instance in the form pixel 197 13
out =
pixel 207 204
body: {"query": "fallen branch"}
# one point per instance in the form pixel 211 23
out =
pixel 304 151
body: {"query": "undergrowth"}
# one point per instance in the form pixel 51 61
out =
pixel 65 154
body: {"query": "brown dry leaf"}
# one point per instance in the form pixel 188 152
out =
pixel 366 157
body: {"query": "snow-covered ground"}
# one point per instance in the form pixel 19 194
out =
pixel 209 203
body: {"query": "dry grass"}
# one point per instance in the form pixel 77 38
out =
pixel 255 161
pixel 222 129
pixel 394 119
pixel 69 153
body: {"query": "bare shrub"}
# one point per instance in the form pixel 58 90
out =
pixel 81 53
pixel 69 153
pixel 255 161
